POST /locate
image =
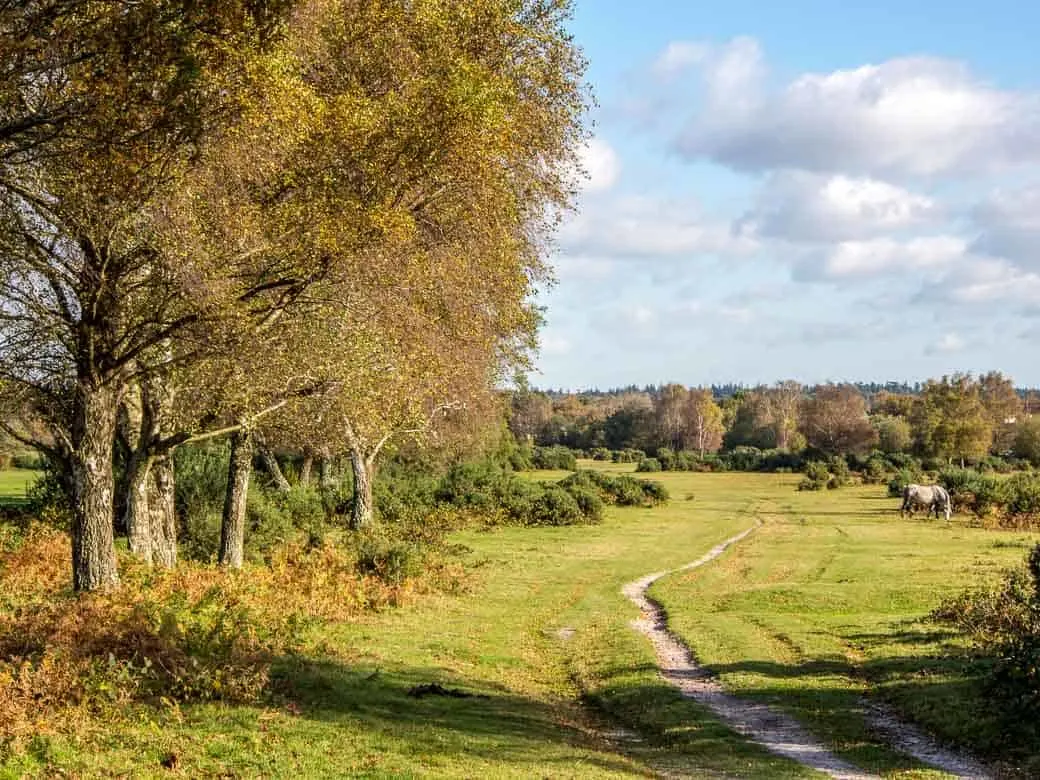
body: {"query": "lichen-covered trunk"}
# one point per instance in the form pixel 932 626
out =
pixel 137 516
pixel 274 470
pixel 162 512
pixel 134 424
pixel 95 408
pixel 362 514
pixel 326 479
pixel 233 524
pixel 306 468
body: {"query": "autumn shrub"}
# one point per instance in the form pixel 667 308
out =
pixel 195 633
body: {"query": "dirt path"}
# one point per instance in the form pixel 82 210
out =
pixel 777 732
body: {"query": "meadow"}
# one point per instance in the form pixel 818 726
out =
pixel 821 605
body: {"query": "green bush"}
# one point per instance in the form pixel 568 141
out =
pixel 601 453
pixel 628 456
pixel 744 458
pixel 817 476
pixel 555 457
pixel 649 465
pixel 589 502
pixel 1004 624
pixel 875 471
pixel 902 478
pixel 555 506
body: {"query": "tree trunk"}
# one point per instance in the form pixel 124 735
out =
pixel 233 524
pixel 271 464
pixel 135 425
pixel 163 512
pixel 305 469
pixel 95 409
pixel 137 516
pixel 362 514
pixel 325 478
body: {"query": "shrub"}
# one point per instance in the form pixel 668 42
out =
pixel 1004 624
pixel 817 476
pixel 601 453
pixel 902 478
pixel 589 502
pixel 744 458
pixel 555 506
pixel 875 471
pixel 555 457
pixel 628 456
pixel 649 465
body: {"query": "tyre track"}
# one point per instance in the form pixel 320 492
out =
pixel 777 732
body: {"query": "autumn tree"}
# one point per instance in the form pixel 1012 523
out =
pixel 834 420
pixel 447 138
pixel 782 403
pixel 109 112
pixel 1003 407
pixel 704 422
pixel 670 408
pixel 894 433
pixel 950 421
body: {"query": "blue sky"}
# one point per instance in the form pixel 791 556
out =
pixel 802 190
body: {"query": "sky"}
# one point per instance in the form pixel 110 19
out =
pixel 813 190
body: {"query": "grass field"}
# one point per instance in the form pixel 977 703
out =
pixel 818 606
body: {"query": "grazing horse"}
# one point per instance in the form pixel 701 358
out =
pixel 933 497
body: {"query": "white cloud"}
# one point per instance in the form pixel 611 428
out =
pixel 552 344
pixel 678 56
pixel 949 343
pixel 878 256
pixel 908 116
pixel 649 227
pixel 601 164
pixel 1009 225
pixel 990 282
pixel 801 206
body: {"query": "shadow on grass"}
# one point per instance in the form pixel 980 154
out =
pixel 490 723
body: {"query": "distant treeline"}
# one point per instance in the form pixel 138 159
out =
pixel 958 418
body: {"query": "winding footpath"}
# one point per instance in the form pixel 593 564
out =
pixel 773 730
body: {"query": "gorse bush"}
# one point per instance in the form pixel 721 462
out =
pixel 1009 501
pixel 1004 624
pixel 621 490
pixel 817 476
pixel 556 457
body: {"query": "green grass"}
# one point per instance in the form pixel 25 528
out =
pixel 817 607
pixel 823 605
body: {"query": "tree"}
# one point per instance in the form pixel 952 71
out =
pixel 1003 406
pixel 950 421
pixel 1027 439
pixel 670 415
pixel 103 109
pixel 834 420
pixel 782 405
pixel 704 422
pixel 894 434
